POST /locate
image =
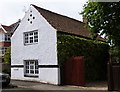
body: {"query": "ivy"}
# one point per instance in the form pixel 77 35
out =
pixel 95 53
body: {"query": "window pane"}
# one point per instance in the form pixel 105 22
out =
pixel 26 41
pixel 36 71
pixel 26 35
pixel 5 37
pixel 31 67
pixel 36 63
pixel 36 67
pixel 35 37
pixel 32 71
pixel 35 40
pixel 27 63
pixel 31 39
pixel 31 62
pixel 27 67
pixel 26 38
pixel 27 71
pixel 9 39
pixel 35 33
pixel 31 33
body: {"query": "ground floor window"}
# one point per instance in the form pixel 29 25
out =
pixel 31 68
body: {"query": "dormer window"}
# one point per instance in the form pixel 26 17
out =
pixel 31 37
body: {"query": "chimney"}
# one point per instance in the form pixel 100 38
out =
pixel 84 20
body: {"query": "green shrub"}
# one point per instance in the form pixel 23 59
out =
pixel 7 56
pixel 95 53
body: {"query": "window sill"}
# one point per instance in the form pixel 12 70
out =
pixel 34 76
pixel 30 44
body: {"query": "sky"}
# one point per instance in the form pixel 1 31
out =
pixel 13 10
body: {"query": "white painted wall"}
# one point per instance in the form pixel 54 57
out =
pixel 45 51
pixel 2 37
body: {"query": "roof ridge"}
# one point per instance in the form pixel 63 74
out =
pixel 56 13
pixel 64 23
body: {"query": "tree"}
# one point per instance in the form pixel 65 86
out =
pixel 7 56
pixel 104 18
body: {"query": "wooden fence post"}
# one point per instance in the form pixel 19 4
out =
pixel 110 76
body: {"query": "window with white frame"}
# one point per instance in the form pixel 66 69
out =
pixel 31 68
pixel 31 37
pixel 7 37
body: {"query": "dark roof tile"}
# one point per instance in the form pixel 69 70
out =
pixel 65 24
pixel 10 28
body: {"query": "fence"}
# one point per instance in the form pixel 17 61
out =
pixel 72 72
pixel 113 76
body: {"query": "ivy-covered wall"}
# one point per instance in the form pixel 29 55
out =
pixel 95 54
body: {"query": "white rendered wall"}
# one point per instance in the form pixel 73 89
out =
pixel 45 51
pixel 2 37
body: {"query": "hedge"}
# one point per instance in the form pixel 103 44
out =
pixel 96 54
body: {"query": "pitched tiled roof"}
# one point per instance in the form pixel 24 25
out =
pixel 10 28
pixel 7 28
pixel 1 30
pixel 64 24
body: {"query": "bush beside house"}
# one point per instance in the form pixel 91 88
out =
pixel 95 53
pixel 7 61
pixel 7 56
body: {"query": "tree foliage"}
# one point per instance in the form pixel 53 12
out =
pixel 104 18
pixel 7 56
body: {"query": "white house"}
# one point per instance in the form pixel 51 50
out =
pixel 34 45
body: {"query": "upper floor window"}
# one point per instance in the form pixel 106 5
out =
pixel 31 37
pixel 7 37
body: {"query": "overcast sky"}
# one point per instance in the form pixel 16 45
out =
pixel 12 10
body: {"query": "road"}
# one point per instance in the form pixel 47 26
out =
pixel 25 86
pixel 28 90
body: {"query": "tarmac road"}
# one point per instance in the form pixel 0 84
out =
pixel 52 91
pixel 27 86
pixel 28 90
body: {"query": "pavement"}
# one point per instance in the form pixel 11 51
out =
pixel 90 87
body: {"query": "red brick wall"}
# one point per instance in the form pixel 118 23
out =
pixel 5 44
